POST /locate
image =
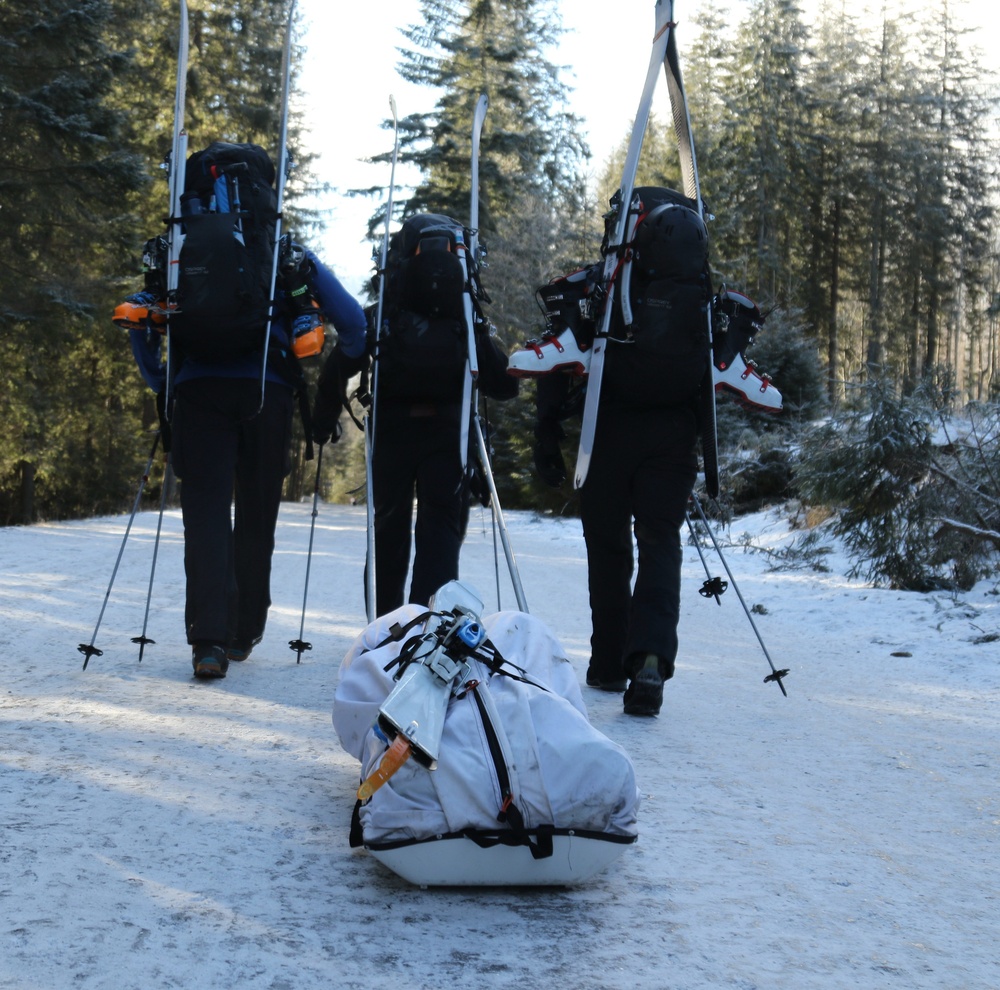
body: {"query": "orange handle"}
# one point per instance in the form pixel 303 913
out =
pixel 395 756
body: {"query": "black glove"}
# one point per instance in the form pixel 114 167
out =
pixel 161 414
pixel 350 366
pixel 325 421
pixel 547 453
pixel 331 394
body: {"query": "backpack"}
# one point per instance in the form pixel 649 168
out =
pixel 423 344
pixel 661 357
pixel 228 217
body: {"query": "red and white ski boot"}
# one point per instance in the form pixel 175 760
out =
pixel 742 379
pixel 739 320
pixel 552 352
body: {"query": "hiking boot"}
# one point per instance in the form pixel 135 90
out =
pixel 239 651
pixel 751 388
pixel 209 660
pixel 559 352
pixel 644 694
pixel 614 685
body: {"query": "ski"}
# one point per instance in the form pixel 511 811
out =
pixel 692 189
pixel 617 262
pixel 284 167
pixel 175 165
pixel 370 576
pixel 470 261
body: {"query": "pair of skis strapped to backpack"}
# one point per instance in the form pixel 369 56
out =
pixel 466 249
pixel 617 262
pixel 176 165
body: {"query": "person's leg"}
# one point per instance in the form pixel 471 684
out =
pixel 662 486
pixel 204 451
pixel 393 478
pixel 442 509
pixel 262 465
pixel 605 511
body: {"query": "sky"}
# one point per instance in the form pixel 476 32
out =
pixel 349 72
pixel 160 832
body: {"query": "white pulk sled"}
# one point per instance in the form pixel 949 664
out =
pixel 479 766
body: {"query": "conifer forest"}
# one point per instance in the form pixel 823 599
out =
pixel 850 167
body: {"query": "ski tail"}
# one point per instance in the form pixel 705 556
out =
pixel 692 189
pixel 469 260
pixel 284 166
pixel 175 165
pixel 661 38
pixel 617 260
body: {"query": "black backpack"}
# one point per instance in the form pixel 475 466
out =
pixel 662 355
pixel 228 216
pixel 423 345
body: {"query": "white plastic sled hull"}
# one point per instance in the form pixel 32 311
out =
pixel 460 862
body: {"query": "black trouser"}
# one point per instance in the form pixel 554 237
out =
pixel 643 468
pixel 223 448
pixel 417 452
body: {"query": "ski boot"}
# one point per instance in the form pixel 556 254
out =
pixel 552 352
pixel 740 322
pixel 141 311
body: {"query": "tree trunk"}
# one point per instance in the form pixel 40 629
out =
pixel 27 492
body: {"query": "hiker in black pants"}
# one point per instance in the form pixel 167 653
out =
pixel 643 469
pixel 642 472
pixel 643 466
pixel 420 370
pixel 225 450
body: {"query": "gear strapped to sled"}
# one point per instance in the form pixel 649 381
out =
pixel 524 790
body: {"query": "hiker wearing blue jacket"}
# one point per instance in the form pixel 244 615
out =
pixel 227 446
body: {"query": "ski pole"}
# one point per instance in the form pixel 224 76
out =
pixel 300 644
pixel 493 517
pixel 714 587
pixel 88 649
pixel 775 675
pixel 141 639
pixel 515 578
pixel 370 575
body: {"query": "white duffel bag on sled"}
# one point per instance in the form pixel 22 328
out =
pixel 478 763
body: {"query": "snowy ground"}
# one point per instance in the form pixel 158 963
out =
pixel 158 832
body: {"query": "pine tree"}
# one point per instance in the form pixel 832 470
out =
pixel 86 99
pixel 530 146
pixel 66 169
